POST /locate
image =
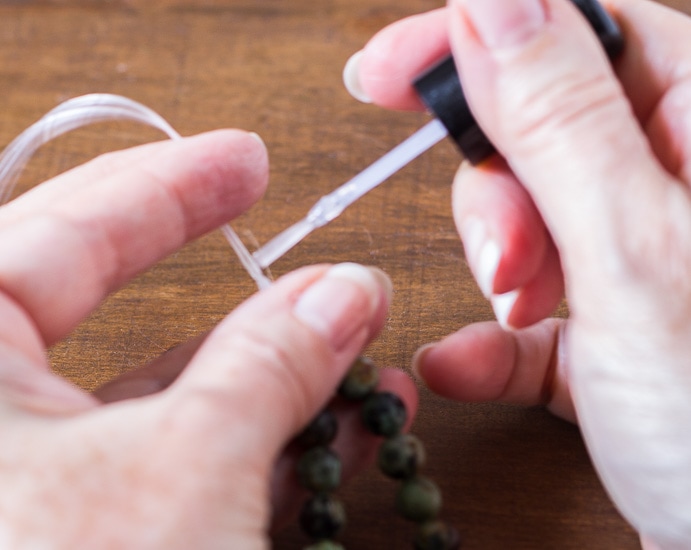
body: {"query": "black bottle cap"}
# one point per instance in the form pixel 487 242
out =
pixel 442 93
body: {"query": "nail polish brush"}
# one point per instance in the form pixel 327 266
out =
pixel 440 90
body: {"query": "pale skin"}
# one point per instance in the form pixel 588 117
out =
pixel 589 197
pixel 189 451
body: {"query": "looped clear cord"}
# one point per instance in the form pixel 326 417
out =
pixel 93 108
pixel 90 109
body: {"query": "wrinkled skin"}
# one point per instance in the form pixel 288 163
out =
pixel 588 197
pixel 189 451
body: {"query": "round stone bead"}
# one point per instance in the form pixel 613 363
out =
pixel 436 535
pixel 384 414
pixel 319 470
pixel 401 456
pixel 320 432
pixel 360 381
pixel 325 545
pixel 322 517
pixel 418 499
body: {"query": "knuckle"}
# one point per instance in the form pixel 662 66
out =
pixel 548 115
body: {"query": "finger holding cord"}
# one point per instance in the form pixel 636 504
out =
pixel 277 360
pixel 355 446
pixel 64 251
pixel 97 238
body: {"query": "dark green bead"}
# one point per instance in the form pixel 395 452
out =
pixel 325 545
pixel 384 414
pixel 321 431
pixel 322 517
pixel 401 456
pixel 360 381
pixel 437 535
pixel 418 499
pixel 319 470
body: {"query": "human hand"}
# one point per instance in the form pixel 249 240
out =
pixel 187 452
pixel 593 180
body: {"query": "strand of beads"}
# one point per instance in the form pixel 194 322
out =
pixel 401 456
pixel 319 470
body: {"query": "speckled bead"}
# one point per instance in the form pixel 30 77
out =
pixel 384 414
pixel 360 381
pixel 322 517
pixel 325 545
pixel 401 456
pixel 418 499
pixel 320 432
pixel 437 535
pixel 319 470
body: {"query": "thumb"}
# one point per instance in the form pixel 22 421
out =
pixel 276 360
pixel 543 90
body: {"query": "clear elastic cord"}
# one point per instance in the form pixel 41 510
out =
pixel 90 109
pixel 330 206
pixel 68 116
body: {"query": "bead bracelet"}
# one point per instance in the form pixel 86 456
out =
pixel 400 456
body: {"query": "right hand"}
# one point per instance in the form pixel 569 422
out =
pixel 593 180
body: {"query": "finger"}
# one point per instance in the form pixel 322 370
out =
pixel 657 41
pixel 569 134
pixel 93 240
pixel 482 362
pixel 29 386
pixel 653 74
pixel 534 301
pixel 355 446
pixel 575 143
pixel 84 175
pixel 276 360
pixel 384 70
pixel 507 246
pixel 504 236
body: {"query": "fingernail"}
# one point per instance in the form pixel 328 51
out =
pixel 351 78
pixel 482 252
pixel 504 23
pixel 257 137
pixel 502 304
pixel 417 367
pixel 340 304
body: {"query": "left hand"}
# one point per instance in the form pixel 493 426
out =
pixel 189 451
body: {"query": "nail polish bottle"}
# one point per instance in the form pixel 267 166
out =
pixel 442 93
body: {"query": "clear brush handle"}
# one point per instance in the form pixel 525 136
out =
pixel 330 206
pixel 90 109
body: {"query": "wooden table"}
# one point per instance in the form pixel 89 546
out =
pixel 513 478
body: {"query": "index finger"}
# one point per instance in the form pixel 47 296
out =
pixel 397 54
pixel 655 37
pixel 59 258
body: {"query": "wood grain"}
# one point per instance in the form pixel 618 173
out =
pixel 512 478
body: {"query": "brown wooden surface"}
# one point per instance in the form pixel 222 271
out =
pixel 512 478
